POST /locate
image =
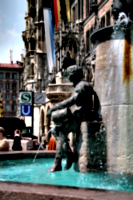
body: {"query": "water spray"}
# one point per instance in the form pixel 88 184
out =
pixel 42 142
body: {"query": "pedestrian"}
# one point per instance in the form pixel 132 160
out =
pixel 4 144
pixel 17 141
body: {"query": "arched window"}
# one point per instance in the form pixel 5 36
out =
pixel 32 69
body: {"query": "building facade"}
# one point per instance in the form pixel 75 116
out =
pixel 54 85
pixel 86 17
pixel 35 62
pixel 9 87
pixel 92 15
pixel 94 20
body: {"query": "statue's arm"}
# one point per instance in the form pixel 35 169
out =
pixel 64 104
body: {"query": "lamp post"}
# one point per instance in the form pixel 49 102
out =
pixel 32 118
pixel 40 90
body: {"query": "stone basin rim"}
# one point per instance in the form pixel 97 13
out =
pixel 105 33
pixel 62 192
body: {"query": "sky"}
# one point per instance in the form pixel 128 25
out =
pixel 12 23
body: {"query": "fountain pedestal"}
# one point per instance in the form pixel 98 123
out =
pixel 90 146
pixel 114 86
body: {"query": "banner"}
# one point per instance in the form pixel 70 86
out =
pixel 58 9
pixel 49 36
pixel 55 13
pixel 68 9
pixel 52 36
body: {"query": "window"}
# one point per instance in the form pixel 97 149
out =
pixel 76 11
pixel 103 22
pixel 73 16
pixel 7 108
pixel 87 8
pixel 80 9
pixel 7 75
pixel 1 75
pixel 14 86
pixel 1 86
pixel 26 25
pixel 32 44
pixel 7 97
pixel 13 108
pixel 87 41
pixel 14 97
pixel 7 86
pixel 91 44
pixel 40 14
pixel 14 76
pixel 108 18
pixel 32 69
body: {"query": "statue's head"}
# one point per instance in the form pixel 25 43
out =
pixel 75 73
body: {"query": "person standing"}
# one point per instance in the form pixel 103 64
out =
pixel 17 141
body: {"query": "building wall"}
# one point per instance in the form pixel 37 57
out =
pixel 36 57
pixel 35 65
pixel 10 90
pixel 104 10
pixel 35 48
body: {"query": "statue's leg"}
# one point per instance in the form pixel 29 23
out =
pixel 67 128
pixel 74 127
pixel 69 155
pixel 58 157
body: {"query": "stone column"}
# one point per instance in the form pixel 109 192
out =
pixel 114 86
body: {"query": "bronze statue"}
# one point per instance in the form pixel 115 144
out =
pixel 67 121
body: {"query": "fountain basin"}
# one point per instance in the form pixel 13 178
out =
pixel 16 180
pixel 25 171
pixel 114 86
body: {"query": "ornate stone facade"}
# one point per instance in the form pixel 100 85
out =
pixel 35 62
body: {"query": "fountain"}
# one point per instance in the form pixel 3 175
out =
pixel 103 145
pixel 113 84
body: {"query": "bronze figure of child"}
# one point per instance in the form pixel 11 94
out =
pixel 66 121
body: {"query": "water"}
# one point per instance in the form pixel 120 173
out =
pixel 22 171
pixel 42 142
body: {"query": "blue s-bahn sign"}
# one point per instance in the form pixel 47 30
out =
pixel 25 110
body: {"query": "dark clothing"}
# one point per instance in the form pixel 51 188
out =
pixel 17 143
